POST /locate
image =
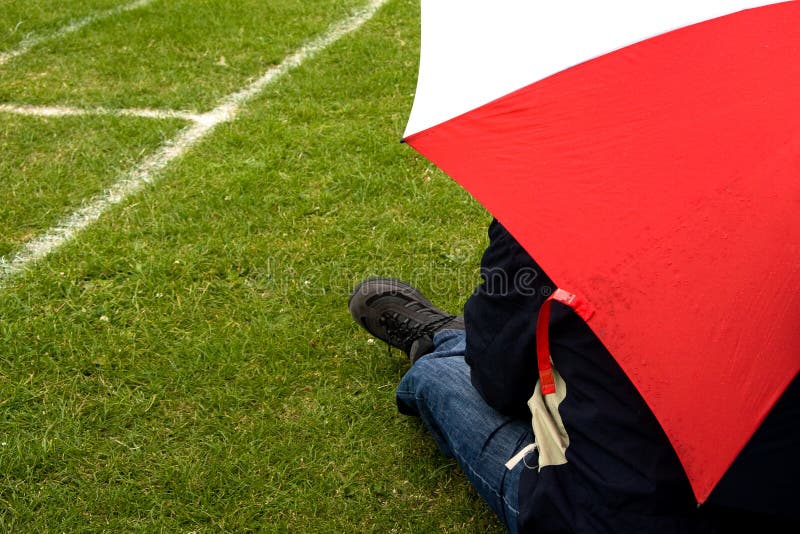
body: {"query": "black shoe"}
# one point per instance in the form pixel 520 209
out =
pixel 399 315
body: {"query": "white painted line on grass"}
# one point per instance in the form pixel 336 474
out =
pixel 63 111
pixel 29 42
pixel 145 173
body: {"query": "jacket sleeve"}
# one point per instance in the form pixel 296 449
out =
pixel 500 321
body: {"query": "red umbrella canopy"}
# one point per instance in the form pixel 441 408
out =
pixel 647 155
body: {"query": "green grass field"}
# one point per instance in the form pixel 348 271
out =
pixel 186 362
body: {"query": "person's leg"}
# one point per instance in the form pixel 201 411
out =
pixel 437 388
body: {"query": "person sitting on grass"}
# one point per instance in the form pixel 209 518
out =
pixel 591 458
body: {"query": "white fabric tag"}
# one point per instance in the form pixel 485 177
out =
pixel 512 463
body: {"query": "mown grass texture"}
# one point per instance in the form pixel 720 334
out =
pixel 26 20
pixel 51 165
pixel 179 54
pixel 188 362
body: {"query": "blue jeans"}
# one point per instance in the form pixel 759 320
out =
pixel 437 388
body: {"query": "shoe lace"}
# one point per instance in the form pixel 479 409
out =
pixel 403 331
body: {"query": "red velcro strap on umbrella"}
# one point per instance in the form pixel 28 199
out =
pixel 579 306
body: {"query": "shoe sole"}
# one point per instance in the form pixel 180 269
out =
pixel 383 286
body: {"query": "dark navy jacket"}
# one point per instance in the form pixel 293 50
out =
pixel 621 475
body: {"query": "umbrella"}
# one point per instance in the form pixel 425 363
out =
pixel 647 155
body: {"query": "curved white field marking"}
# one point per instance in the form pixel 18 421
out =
pixel 63 111
pixel 146 171
pixel 26 44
